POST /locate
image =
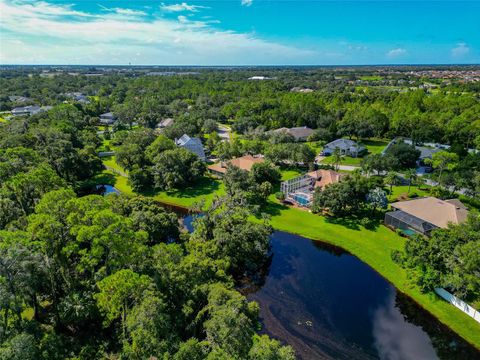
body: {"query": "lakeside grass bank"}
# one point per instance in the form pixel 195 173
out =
pixel 372 246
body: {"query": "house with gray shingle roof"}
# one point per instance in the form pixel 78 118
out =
pixel 192 144
pixel 346 147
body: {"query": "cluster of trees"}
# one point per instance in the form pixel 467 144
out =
pixel 450 258
pixel 97 277
pixel 398 157
pixel 335 108
pixel 156 162
pixel 351 195
pixel 252 188
pixel 41 153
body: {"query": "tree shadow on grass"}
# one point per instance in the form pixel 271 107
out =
pixel 354 221
pixel 203 187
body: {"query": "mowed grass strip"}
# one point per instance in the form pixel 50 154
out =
pixel 373 247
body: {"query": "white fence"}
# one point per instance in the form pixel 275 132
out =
pixel 462 305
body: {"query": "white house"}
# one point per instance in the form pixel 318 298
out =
pixel 346 147
pixel 192 144
pixel 108 118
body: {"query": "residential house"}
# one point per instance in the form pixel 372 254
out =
pixel 26 110
pixel 426 153
pixel 165 123
pixel 108 118
pixel 245 163
pixel 425 214
pixel 300 133
pixel 192 144
pixel 300 190
pixel 18 99
pixel 346 147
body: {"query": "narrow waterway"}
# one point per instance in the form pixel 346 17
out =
pixel 328 304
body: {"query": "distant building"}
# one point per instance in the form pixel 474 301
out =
pixel 108 118
pixel 346 147
pixel 300 133
pixel 425 214
pixel 18 99
pixel 301 90
pixel 165 123
pixel 26 110
pixel 300 190
pixel 245 163
pixel 78 97
pixel 261 78
pixel 192 144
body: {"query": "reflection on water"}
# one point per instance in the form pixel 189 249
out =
pixel 397 339
pixel 106 189
pixel 329 305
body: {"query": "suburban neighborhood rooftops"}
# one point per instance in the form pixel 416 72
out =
pixel 245 163
pixel 437 212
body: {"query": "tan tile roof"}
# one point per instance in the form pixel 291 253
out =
pixel 245 163
pixel 325 177
pixel 435 211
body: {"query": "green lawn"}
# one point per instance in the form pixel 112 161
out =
pixel 372 246
pixel 288 174
pixel 397 191
pixel 109 161
pixel 2 120
pixel 204 190
pixel 371 78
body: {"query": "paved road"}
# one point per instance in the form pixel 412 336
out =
pixel 224 132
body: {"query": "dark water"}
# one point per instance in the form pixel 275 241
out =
pixel 327 304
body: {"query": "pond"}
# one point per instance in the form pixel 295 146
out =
pixel 328 304
pixel 106 189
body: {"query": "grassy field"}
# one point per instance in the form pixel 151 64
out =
pixel 205 190
pixel 109 161
pixel 373 245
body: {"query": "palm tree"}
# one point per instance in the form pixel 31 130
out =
pixel 336 158
pixel 391 179
pixel 411 176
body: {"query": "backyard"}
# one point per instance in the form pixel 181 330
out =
pixel 374 146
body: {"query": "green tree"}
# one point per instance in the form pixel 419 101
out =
pixel 119 293
pixel 265 348
pixel 441 161
pixel 178 168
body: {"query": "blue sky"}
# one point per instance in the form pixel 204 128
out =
pixel 239 32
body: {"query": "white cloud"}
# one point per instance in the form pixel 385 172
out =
pixel 396 53
pixel 61 35
pixel 130 12
pixel 247 2
pixel 460 50
pixel 181 7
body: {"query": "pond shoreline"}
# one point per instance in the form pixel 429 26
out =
pixel 467 334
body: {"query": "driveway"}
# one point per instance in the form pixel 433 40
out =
pixel 224 132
